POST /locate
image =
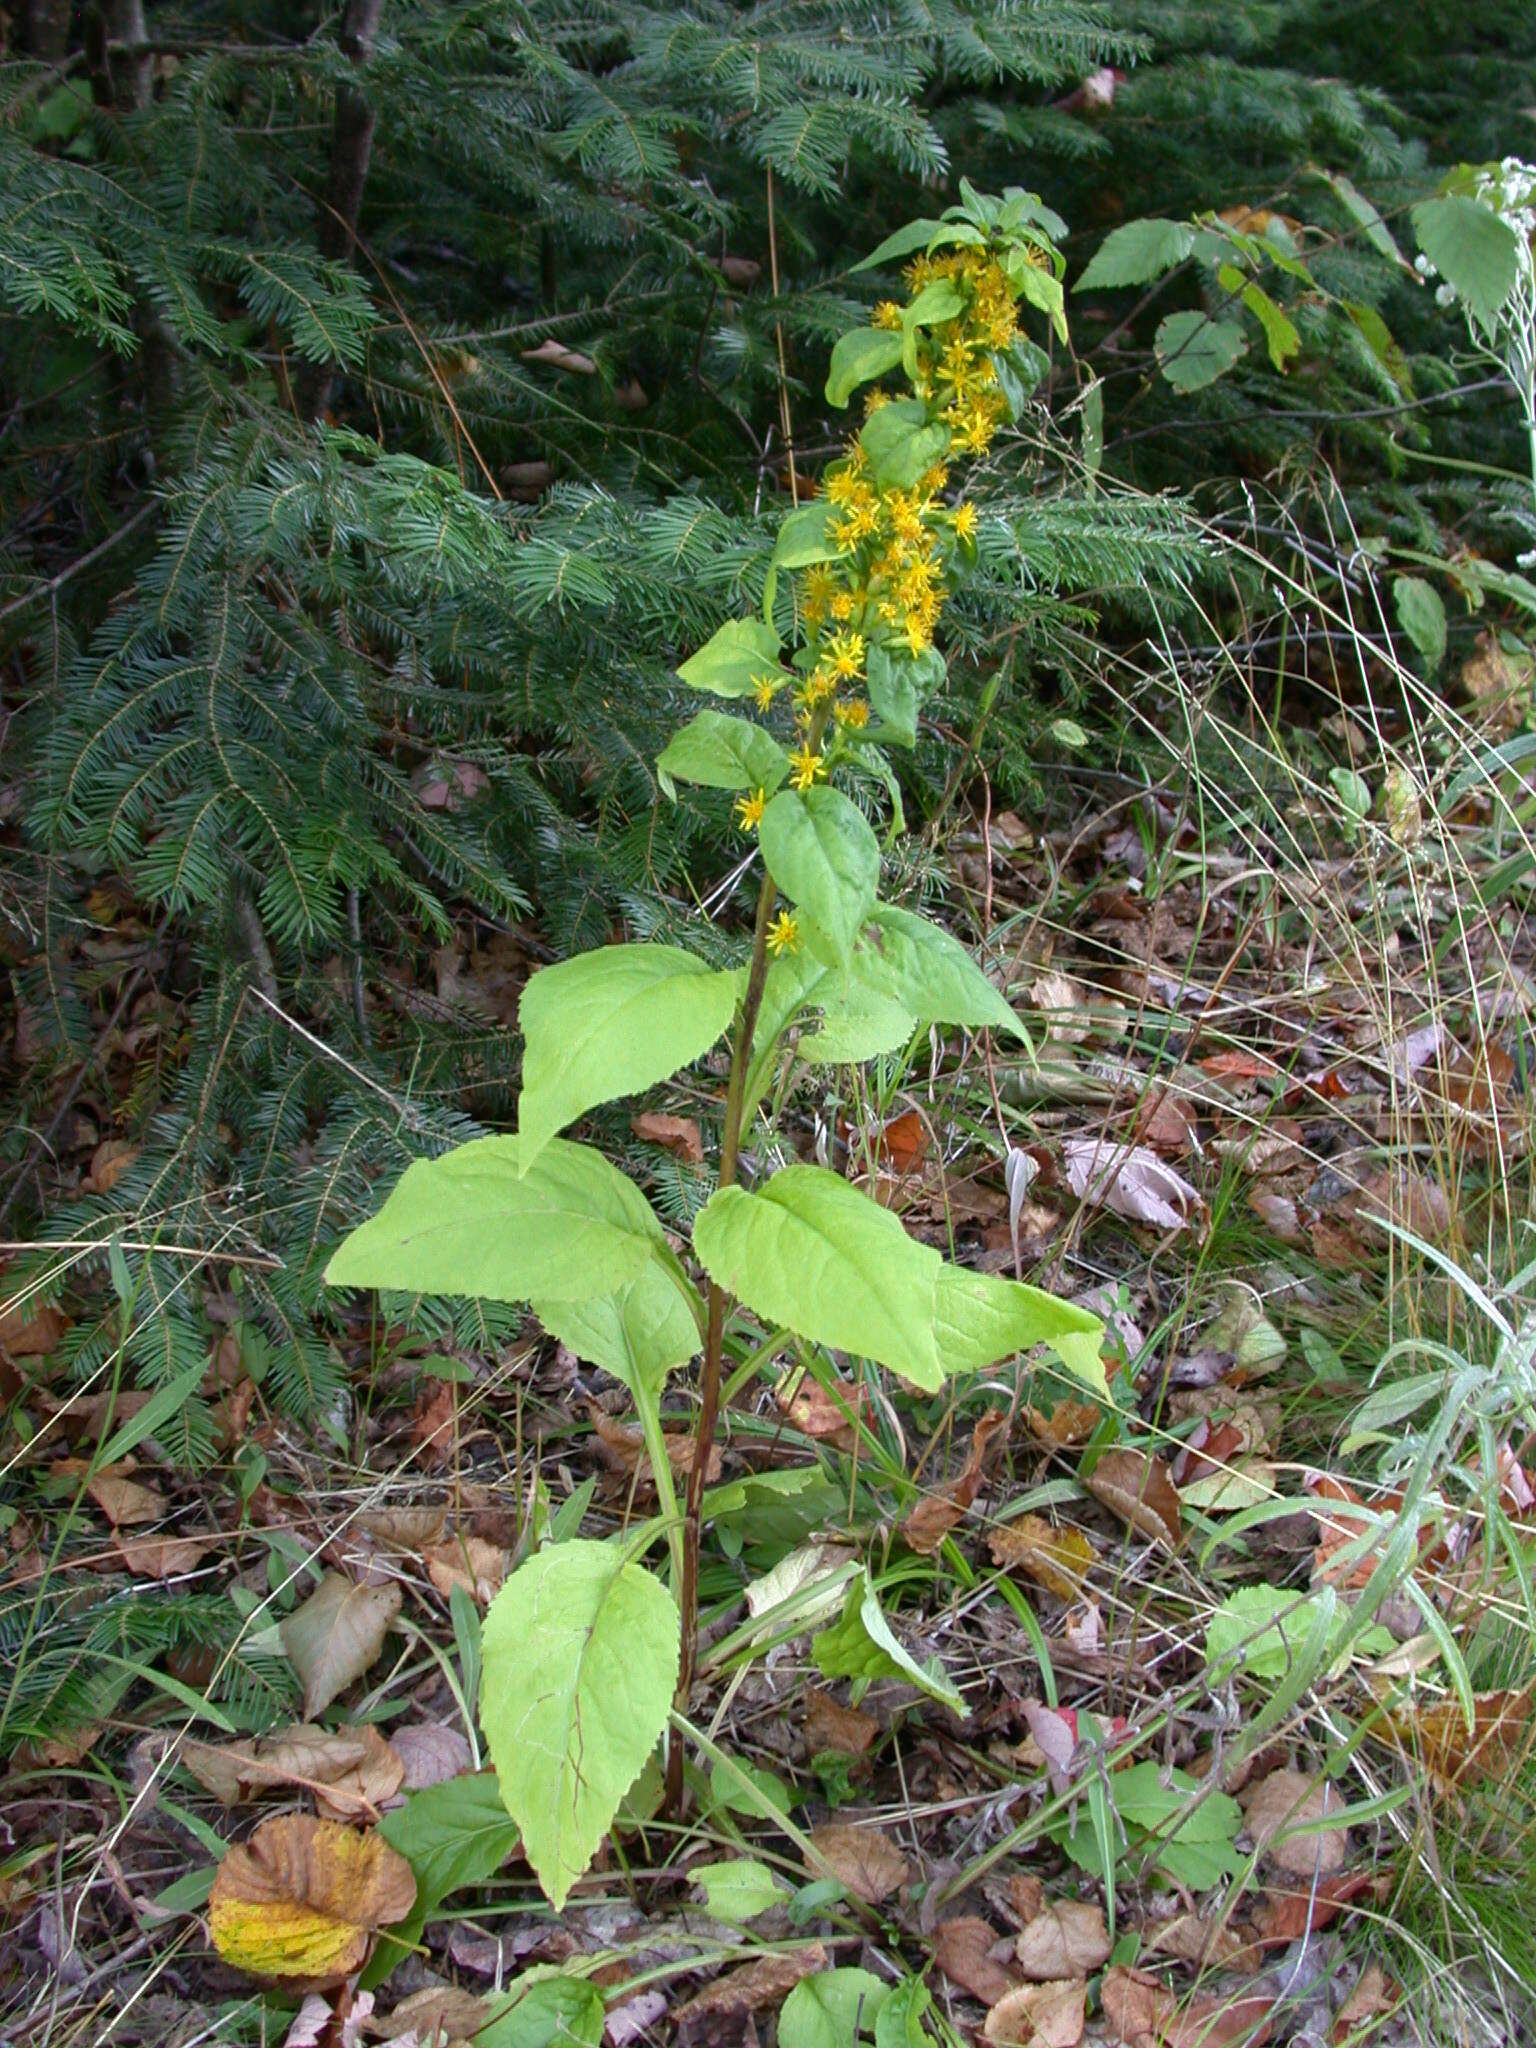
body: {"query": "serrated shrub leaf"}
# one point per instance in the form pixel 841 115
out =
pixel 1136 253
pixel 730 661
pixel 816 1256
pixel 819 848
pixel 1473 250
pixel 612 1022
pixel 1421 614
pixel 475 1223
pixel 581 1658
pixel 1193 350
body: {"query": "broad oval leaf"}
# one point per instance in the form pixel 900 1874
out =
pixel 901 441
pixel 1136 253
pixel 717 750
pixel 819 848
pixel 802 540
pixel 861 1644
pixel 817 1256
pixel 639 1333
pixel 300 1901
pixel 832 2009
pixel 731 660
pixel 909 960
pixel 1194 350
pixel 336 1635
pixel 581 1659
pixel 473 1222
pixel 612 1022
pixel 1472 248
pixel 858 358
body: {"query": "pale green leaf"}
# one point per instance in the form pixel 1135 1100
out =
pixel 1421 615
pixel 912 961
pixel 802 540
pixel 730 661
pixel 856 1030
pixel 543 2010
pixel 474 1223
pixel 613 1022
pixel 639 1333
pixel 832 2009
pixel 858 358
pixel 1194 350
pixel 581 1659
pixel 860 1644
pixel 720 751
pixel 1473 250
pixel 919 234
pixel 1136 253
pixel 820 850
pixel 901 442
pixel 738 1890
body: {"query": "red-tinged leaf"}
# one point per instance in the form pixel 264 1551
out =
pixel 963 1950
pixel 1137 1488
pixel 679 1135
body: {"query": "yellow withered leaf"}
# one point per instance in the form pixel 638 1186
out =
pixel 302 1900
pixel 1059 1559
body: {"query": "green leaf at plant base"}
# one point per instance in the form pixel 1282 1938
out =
pixel 580 1663
pixel 1261 1631
pixel 832 2009
pixel 858 358
pixel 861 1644
pixel 738 1890
pixel 730 661
pixel 613 1022
pixel 717 750
pixel 857 1029
pixel 639 1333
pixel 543 2009
pixel 1421 615
pixel 912 961
pixel 1472 248
pixel 819 1257
pixel 899 2022
pixel 1182 1826
pixel 1136 253
pixel 901 442
pixel 475 1222
pixel 454 1834
pixel 1194 350
pixel 819 848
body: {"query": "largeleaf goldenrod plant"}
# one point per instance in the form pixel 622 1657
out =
pixel 587 1653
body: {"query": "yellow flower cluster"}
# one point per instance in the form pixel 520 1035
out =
pixel 956 368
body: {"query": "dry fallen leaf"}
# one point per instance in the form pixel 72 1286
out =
pixel 766 1982
pixel 431 1752
pixel 679 1135
pixel 404 1528
pixel 1496 1744
pixel 1069 1939
pixel 440 2013
pixel 868 1863
pixel 1189 1939
pixel 1212 2020
pixel 1372 1998
pixel 1059 1559
pixel 32 1335
pixel 937 1513
pixel 161 1557
pixel 1064 1003
pixel 1138 1489
pixel 350 1771
pixel 468 1562
pixel 824 1415
pixel 1130 1180
pixel 124 1502
pixel 1040 2015
pixel 302 1900
pixel 1134 2005
pixel 962 1949
pixel 830 1726
pixel 1279 1918
pixel 109 1162
pixel 1276 1806
pixel 336 1636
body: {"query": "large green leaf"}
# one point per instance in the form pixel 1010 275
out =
pixel 581 1659
pixel 1473 250
pixel 859 357
pixel 815 1255
pixel 730 661
pixel 914 962
pixel 612 1022
pixel 717 750
pixel 1194 351
pixel 901 442
pixel 639 1333
pixel 475 1223
pixel 453 1834
pixel 802 539
pixel 832 2009
pixel 860 1644
pixel 1421 615
pixel 542 2010
pixel 1136 253
pixel 819 848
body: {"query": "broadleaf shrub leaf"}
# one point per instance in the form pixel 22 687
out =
pixel 1473 250
pixel 720 751
pixel 819 848
pixel 1194 350
pixel 731 660
pixel 580 1661
pixel 1136 253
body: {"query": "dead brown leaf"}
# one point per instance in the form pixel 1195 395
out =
pixel 1373 1998
pixel 822 1414
pixel 350 1771
pixel 124 1502
pixel 937 1513
pixel 1135 2006
pixel 404 1528
pixel 1130 1180
pixel 1069 1939
pixel 301 1901
pixel 28 1333
pixel 1280 1918
pixel 1137 1488
pixel 867 1862
pixel 430 1752
pixel 1212 2020
pixel 1059 1559
pixel 624 1447
pixel 109 1162
pixel 1275 1806
pixel 1496 1744
pixel 1040 2015
pixel 468 1562
pixel 1189 1939
pixel 679 1135
pixel 1069 1422
pixel 963 1949
pixel 830 1726
pixel 767 1982
pixel 336 1636
pixel 161 1557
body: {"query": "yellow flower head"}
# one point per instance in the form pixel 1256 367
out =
pixel 806 766
pixel 845 654
pixel 763 688
pixel 965 522
pixel 750 808
pixel 784 934
pixel 887 314
pixel 855 713
pixel 842 605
